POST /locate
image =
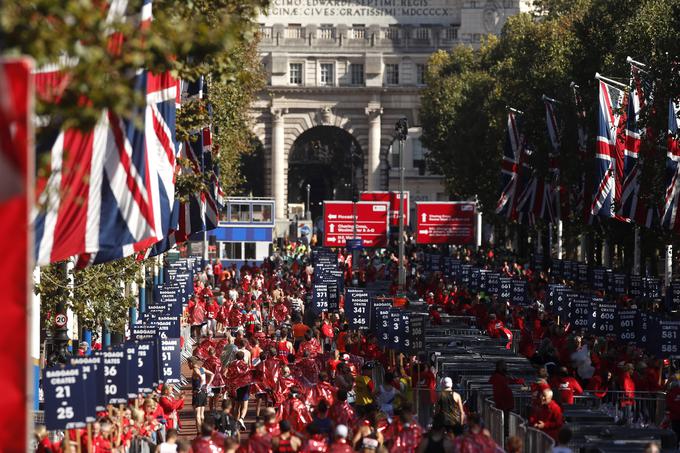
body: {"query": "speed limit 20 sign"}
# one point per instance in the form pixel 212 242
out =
pixel 60 320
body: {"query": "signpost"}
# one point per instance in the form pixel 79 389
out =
pixel 393 199
pixel 371 223
pixel 450 222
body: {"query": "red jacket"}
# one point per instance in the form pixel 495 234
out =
pixel 673 403
pixel 628 387
pixel 567 388
pixel 551 415
pixel 502 393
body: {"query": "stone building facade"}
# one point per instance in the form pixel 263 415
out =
pixel 359 65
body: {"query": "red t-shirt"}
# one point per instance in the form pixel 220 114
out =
pixel 502 393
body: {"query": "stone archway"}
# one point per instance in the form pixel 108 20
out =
pixel 330 160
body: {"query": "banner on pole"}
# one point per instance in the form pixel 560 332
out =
pixel 450 222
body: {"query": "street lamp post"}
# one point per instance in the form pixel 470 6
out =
pixel 308 214
pixel 401 132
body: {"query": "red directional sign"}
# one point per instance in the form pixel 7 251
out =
pixel 371 223
pixel 393 199
pixel 450 222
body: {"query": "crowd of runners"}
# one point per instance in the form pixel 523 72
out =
pixel 315 385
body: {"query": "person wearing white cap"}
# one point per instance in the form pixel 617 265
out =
pixel 341 445
pixel 450 405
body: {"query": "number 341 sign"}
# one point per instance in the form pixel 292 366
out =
pixel 65 405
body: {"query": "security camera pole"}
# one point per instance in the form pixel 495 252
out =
pixel 400 134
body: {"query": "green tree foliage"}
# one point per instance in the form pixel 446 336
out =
pixel 465 103
pixel 101 295
pixel 459 124
pixel 99 54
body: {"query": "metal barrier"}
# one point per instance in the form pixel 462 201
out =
pixel 38 418
pixel 516 425
pixel 494 421
pixel 423 406
pixel 536 441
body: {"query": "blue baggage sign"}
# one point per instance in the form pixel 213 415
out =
pixel 357 308
pixel 115 376
pixel 65 403
pixel 170 361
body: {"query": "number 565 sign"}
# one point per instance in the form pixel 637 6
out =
pixel 65 405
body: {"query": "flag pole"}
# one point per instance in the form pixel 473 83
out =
pixel 668 274
pixel 549 99
pixel 559 239
pixel 630 60
pixel 636 251
pixel 611 81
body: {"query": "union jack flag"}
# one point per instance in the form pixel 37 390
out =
pixel 609 150
pixel 670 219
pixel 110 191
pixel 513 152
pixel 578 190
pixel 552 206
pixel 531 202
pixel 200 211
pixel 210 196
pixel 632 167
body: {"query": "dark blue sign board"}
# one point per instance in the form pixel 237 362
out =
pixel 115 376
pixel 493 282
pixel 636 287
pixel 170 361
pixel 354 244
pixel 379 305
pixel 557 268
pixel 417 331
pixel 673 296
pixel 131 356
pixel 145 377
pixel 579 311
pixel 396 329
pixel 65 402
pixel 167 326
pixel 618 283
pixel 91 369
pixel 519 292
pixel 357 308
pixel 668 339
pixel 606 319
pixel 625 326
pixel 320 297
pixel 652 287
pixel 505 289
pixel 143 331
pixel 581 272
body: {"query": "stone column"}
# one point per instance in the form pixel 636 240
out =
pixel 278 162
pixel 373 179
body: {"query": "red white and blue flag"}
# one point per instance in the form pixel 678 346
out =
pixel 210 170
pixel 199 212
pixel 16 185
pixel 552 206
pixel 670 219
pixel 609 150
pixel 632 168
pixel 110 190
pixel 513 152
pixel 578 190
